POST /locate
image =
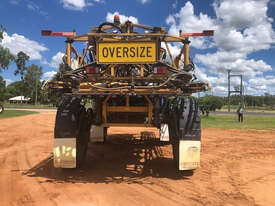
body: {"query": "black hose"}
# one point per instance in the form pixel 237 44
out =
pixel 108 24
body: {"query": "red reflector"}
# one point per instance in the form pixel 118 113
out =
pixel 160 70
pixel 91 70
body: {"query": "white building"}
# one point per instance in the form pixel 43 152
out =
pixel 19 99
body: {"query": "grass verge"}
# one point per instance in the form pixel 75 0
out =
pixel 28 106
pixel 231 122
pixel 15 113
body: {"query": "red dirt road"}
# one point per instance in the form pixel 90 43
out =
pixel 237 168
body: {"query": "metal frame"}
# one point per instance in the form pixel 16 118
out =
pixel 235 91
pixel 127 108
pixel 90 86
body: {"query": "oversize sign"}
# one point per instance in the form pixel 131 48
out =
pixel 126 52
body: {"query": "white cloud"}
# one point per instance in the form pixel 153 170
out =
pixel 8 81
pixel 219 89
pixel 48 75
pixel 241 28
pixel 221 61
pixel 144 1
pixel 56 60
pixel 187 21
pixel 16 43
pixel 241 14
pixel 123 18
pixel 77 5
pixel 174 49
pixel 260 85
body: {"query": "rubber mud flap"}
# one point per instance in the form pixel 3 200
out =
pixel 67 117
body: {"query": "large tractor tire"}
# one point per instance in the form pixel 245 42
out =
pixel 1 108
pixel 71 133
pixel 185 134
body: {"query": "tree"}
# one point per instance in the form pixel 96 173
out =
pixel 14 89
pixel 51 95
pixel 32 82
pixel 2 89
pixel 21 61
pixel 210 103
pixel 5 56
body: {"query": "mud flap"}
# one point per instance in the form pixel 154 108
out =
pixel 189 154
pixel 64 153
pixel 164 133
pixel 185 132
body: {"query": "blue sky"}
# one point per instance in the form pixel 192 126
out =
pixel 244 40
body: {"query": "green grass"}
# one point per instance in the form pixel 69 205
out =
pixel 231 122
pixel 15 113
pixel 28 106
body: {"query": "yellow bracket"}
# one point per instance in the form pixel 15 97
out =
pixel 104 108
pixel 150 110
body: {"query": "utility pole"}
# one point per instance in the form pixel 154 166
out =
pixel 228 90
pixel 35 88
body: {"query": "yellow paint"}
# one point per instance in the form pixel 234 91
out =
pixel 104 108
pixel 126 125
pixel 142 70
pixel 127 109
pixel 68 52
pixel 127 52
pixel 112 70
pixel 64 154
pixel 150 109
pixel 186 53
pixel 189 154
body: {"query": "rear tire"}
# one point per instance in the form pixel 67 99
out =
pixel 82 138
pixel 72 121
pixel 184 125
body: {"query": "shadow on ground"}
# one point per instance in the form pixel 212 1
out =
pixel 122 159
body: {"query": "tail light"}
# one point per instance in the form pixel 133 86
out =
pixel 91 70
pixel 160 70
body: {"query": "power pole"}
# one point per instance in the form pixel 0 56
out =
pixel 36 88
pixel 229 90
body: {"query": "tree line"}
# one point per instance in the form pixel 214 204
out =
pixel 211 103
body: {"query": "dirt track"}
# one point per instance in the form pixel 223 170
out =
pixel 237 168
